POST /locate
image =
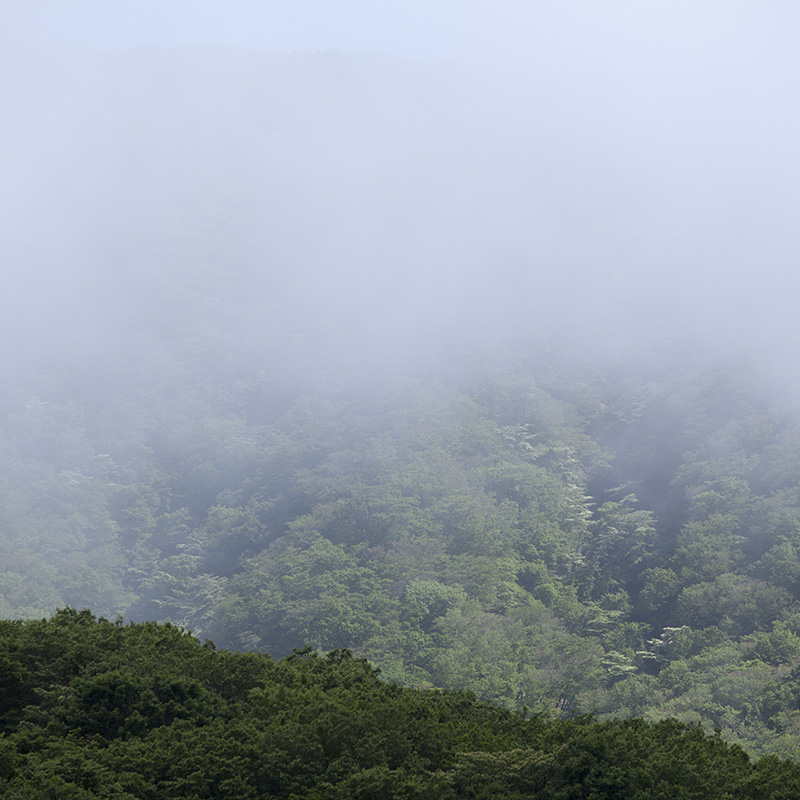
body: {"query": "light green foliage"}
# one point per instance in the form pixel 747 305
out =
pixel 621 539
pixel 735 602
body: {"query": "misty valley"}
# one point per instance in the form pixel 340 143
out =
pixel 314 444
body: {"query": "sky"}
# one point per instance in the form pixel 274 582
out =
pixel 639 156
pixel 434 30
pixel 420 30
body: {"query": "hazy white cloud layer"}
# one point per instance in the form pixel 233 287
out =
pixel 602 170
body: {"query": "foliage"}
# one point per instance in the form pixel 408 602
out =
pixel 106 710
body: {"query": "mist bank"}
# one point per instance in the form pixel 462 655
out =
pixel 364 210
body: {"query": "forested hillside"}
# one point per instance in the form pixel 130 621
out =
pixel 242 394
pixel 97 709
pixel 590 541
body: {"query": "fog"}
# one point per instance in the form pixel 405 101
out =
pixel 352 184
pixel 381 284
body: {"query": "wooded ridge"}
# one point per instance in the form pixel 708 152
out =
pixel 95 709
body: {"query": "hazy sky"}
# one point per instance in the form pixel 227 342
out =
pixel 643 150
pixel 433 29
pixel 426 30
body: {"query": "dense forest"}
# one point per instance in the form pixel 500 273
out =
pixel 94 709
pixel 600 541
pixel 242 395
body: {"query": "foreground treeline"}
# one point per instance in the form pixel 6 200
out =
pixel 94 709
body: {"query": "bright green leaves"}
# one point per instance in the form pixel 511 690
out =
pixel 621 539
